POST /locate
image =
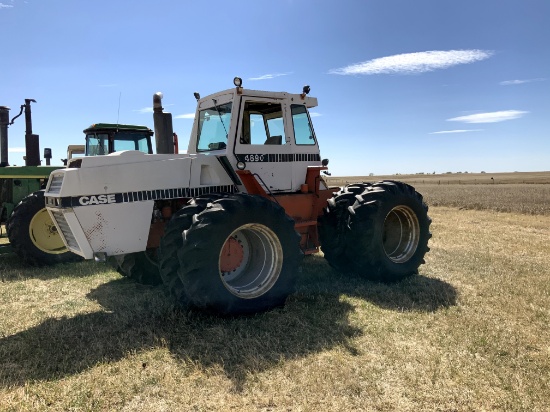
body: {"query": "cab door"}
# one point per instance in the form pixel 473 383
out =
pixel 263 144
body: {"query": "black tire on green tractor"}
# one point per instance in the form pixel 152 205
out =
pixel 240 256
pixel 141 267
pixel 387 229
pixel 34 236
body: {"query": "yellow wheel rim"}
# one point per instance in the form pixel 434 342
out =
pixel 44 234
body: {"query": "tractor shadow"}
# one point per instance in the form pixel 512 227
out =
pixel 12 269
pixel 417 293
pixel 137 318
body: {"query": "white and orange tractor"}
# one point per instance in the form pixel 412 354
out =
pixel 224 227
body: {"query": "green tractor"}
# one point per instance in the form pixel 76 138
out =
pixel 24 220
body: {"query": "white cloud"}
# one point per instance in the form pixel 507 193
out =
pixel 268 76
pixel 490 117
pixel 457 131
pixel 150 109
pixel 513 82
pixel 5 6
pixel 185 116
pixel 108 85
pixel 145 110
pixel 413 63
pixel 314 114
pixel 16 150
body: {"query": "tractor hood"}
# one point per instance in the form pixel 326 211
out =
pixel 121 171
pixel 105 205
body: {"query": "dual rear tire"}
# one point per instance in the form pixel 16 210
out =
pixel 380 231
pixel 141 267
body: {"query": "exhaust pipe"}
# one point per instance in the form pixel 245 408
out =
pixel 32 145
pixel 164 131
pixel 32 142
pixel 4 122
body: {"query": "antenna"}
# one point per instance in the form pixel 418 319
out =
pixel 118 113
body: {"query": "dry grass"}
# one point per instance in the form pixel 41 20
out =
pixel 533 199
pixel 527 193
pixel 452 178
pixel 471 332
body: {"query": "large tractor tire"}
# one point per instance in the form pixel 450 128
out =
pixel 333 226
pixel 155 267
pixel 141 267
pixel 239 256
pixel 172 241
pixel 34 236
pixel 386 231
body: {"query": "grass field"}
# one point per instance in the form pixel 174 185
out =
pixel 453 178
pixel 471 332
pixel 527 192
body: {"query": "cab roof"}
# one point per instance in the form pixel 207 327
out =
pixel 310 102
pixel 111 127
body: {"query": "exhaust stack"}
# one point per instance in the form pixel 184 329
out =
pixel 32 141
pixel 164 131
pixel 32 145
pixel 4 122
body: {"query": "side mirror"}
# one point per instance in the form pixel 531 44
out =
pixel 324 162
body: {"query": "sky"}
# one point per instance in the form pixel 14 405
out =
pixel 403 86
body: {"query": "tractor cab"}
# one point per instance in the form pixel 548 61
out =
pixel 105 138
pixel 270 134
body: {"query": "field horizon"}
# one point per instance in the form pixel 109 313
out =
pixel 542 177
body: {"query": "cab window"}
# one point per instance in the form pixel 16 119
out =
pixel 303 132
pixel 131 141
pixel 98 144
pixel 213 128
pixel 263 124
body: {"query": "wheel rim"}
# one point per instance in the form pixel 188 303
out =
pixel 250 261
pixel 44 234
pixel 401 234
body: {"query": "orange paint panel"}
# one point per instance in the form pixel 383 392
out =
pixel 250 182
pixel 299 206
pixel 155 233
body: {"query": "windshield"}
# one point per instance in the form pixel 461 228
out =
pixel 213 128
pixel 131 141
pixel 97 144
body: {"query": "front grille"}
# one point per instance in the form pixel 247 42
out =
pixel 55 183
pixel 64 226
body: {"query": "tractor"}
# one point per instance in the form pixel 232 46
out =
pixel 32 234
pixel 225 226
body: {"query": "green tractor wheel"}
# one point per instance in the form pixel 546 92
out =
pixel 33 235
pixel 43 234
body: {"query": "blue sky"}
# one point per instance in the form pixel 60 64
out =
pixel 403 86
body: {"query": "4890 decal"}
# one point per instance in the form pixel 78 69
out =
pixel 253 158
pixel 279 157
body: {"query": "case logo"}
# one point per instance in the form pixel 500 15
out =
pixel 96 200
